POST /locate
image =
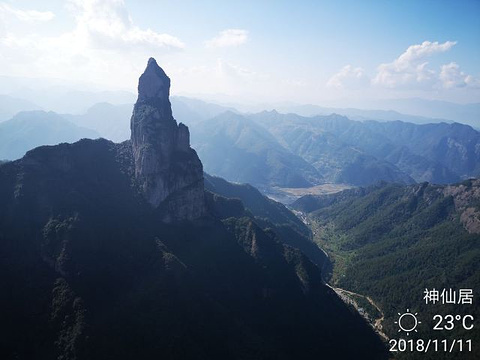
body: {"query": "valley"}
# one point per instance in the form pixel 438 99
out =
pixel 289 195
pixel 387 243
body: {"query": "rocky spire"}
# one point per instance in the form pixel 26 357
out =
pixel 168 170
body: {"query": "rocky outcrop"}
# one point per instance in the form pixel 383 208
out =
pixel 466 197
pixel 167 169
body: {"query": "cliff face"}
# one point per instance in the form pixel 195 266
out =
pixel 167 169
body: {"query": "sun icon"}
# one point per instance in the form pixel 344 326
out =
pixel 408 322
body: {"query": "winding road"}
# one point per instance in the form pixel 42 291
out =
pixel 377 322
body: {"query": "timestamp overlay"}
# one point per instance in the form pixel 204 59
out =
pixel 442 328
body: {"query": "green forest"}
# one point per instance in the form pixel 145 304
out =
pixel 391 242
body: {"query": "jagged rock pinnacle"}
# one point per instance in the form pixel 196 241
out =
pixel 168 170
pixel 154 83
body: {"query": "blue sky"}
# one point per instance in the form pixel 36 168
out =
pixel 321 52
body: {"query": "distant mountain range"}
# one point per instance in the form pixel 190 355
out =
pixel 27 130
pixel 336 160
pixel 415 110
pixel 65 97
pixel 462 113
pixel 358 114
pixel 111 121
pixel 234 147
pixel 191 111
pixel 271 149
pixel 60 96
pixel 103 119
pixel 440 153
pixel 10 106
pixel 339 149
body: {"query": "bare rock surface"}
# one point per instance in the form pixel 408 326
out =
pixel 167 169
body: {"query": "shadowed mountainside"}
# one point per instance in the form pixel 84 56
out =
pixel 90 269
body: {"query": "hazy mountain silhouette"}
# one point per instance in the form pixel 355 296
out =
pixel 9 106
pixel 27 130
pixel 93 268
pixel 238 149
pixel 365 152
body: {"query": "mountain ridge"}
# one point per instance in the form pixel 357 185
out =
pixel 92 271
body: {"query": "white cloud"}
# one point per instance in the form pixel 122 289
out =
pixel 99 25
pixel 26 15
pixel 472 82
pixel 410 69
pixel 107 24
pixel 103 34
pixel 229 37
pixel 452 77
pixel 425 49
pixel 409 75
pixel 349 77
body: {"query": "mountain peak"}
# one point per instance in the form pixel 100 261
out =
pixel 153 83
pixel 168 170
